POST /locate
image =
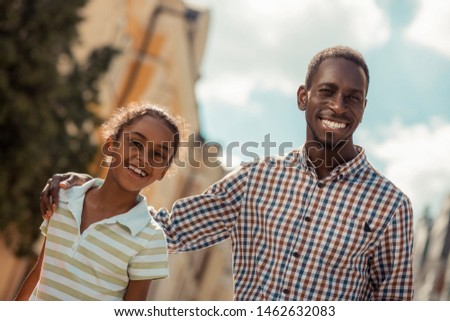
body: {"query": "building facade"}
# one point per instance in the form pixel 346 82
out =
pixel 432 248
pixel 161 46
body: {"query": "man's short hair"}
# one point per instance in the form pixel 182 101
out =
pixel 336 52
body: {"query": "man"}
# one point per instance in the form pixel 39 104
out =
pixel 317 224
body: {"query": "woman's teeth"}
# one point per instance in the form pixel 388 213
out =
pixel 137 171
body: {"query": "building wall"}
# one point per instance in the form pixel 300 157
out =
pixel 432 243
pixel 12 271
pixel 162 44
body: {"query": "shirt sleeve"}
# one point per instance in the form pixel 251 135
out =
pixel 152 262
pixel 392 270
pixel 203 220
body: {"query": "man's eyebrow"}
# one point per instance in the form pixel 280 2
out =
pixel 328 84
pixel 333 85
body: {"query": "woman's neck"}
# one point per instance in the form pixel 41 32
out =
pixel 110 198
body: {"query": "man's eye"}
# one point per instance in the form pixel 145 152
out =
pixel 355 98
pixel 325 91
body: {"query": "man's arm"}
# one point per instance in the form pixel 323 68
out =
pixel 50 194
pixel 203 220
pixel 392 269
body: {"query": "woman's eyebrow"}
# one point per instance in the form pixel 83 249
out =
pixel 163 146
pixel 139 134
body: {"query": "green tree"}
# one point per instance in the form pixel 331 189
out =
pixel 45 125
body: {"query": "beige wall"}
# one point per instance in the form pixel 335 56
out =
pixel 12 270
pixel 160 62
pixel 161 55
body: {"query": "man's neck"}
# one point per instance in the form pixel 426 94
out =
pixel 326 158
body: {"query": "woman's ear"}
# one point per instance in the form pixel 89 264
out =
pixel 110 151
pixel 302 97
pixel 108 146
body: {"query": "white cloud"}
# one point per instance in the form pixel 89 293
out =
pixel 230 162
pixel 417 160
pixel 362 23
pixel 431 26
pixel 266 44
pixel 230 89
pixel 234 90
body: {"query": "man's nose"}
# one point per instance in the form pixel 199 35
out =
pixel 337 103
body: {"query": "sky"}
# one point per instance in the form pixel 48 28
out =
pixel 256 56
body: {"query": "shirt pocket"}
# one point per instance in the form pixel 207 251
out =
pixel 346 242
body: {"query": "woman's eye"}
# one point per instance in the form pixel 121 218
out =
pixel 137 144
pixel 159 154
pixel 157 158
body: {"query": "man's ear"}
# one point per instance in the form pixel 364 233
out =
pixel 364 109
pixel 302 97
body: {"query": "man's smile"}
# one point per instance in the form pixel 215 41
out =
pixel 333 124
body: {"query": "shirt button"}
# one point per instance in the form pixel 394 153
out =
pixel 285 291
pixel 320 185
pixel 295 254
pixel 307 219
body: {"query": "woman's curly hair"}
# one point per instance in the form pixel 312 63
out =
pixel 125 116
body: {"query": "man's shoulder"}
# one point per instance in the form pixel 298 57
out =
pixel 386 185
pixel 278 161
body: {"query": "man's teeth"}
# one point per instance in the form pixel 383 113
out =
pixel 333 124
pixel 137 171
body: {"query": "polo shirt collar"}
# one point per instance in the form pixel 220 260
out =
pixel 135 219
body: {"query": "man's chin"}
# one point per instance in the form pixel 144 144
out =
pixel 331 142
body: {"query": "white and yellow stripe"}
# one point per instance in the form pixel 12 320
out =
pixel 98 264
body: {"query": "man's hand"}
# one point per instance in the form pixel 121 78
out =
pixel 49 196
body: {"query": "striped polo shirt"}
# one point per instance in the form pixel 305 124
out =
pixel 99 263
pixel 347 236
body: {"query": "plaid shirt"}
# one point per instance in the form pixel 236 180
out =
pixel 347 236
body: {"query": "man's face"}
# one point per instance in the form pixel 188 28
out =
pixel 335 103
